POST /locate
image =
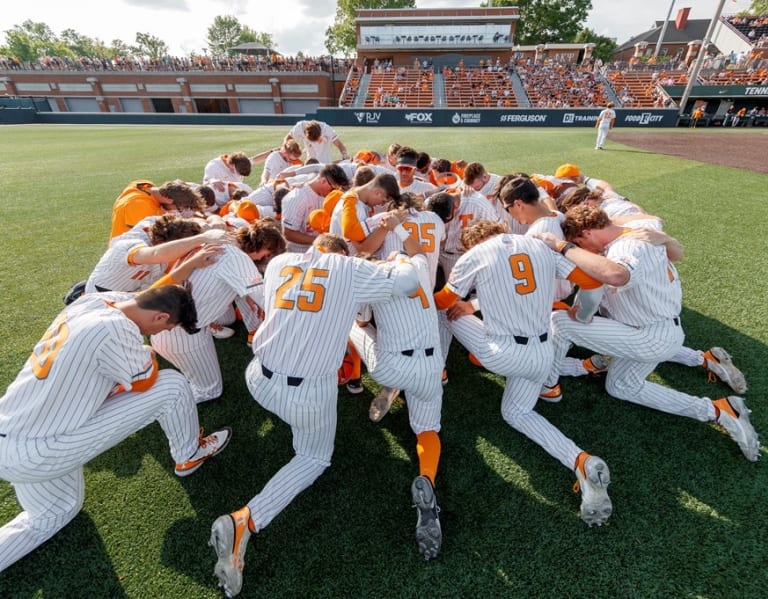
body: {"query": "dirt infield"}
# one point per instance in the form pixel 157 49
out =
pixel 745 150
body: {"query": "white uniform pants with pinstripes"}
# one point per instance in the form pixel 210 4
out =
pixel 195 355
pixel 635 352
pixel 525 368
pixel 418 375
pixel 47 473
pixel 310 410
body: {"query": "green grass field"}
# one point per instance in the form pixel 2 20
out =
pixel 690 517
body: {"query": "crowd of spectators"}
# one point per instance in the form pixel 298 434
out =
pixel 485 86
pixel 558 85
pixel 241 62
pixel 755 28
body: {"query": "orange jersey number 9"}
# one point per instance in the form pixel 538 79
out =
pixel 522 271
pixel 311 292
pixel 52 341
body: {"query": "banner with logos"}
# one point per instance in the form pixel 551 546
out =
pixel 531 117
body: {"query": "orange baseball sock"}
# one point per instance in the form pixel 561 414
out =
pixel 428 450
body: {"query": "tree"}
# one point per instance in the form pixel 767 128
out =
pixel 149 45
pixel 30 41
pixel 82 45
pixel 604 46
pixel 340 37
pixel 545 21
pixel 758 7
pixel 223 34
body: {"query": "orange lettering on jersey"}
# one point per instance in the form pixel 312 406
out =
pixel 419 293
pixel 522 271
pixel 311 293
pixel 52 341
pixel 424 232
pixel 465 219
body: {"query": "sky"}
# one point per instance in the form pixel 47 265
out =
pixel 295 25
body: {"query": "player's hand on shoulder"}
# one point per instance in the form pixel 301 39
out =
pixel 547 238
pixel 217 237
pixel 204 256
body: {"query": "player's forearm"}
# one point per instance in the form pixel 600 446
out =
pixel 598 267
pixel 298 237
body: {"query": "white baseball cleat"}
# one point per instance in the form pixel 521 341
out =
pixel 733 417
pixel 382 403
pixel 220 332
pixel 429 534
pixel 207 447
pixel 229 538
pixel 719 363
pixel 551 394
pixel 592 479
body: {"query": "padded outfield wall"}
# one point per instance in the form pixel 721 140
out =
pixel 390 117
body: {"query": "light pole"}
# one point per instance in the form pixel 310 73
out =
pixel 663 30
pixel 693 75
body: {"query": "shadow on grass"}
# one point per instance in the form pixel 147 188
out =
pixel 74 563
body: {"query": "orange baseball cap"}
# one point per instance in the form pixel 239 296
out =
pixel 247 210
pixel 567 170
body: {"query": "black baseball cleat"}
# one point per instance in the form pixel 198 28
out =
pixel 429 534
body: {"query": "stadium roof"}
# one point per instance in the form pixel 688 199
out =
pixel 695 29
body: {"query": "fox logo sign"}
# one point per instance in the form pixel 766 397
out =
pixel 419 117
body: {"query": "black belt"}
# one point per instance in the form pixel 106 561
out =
pixel 676 320
pixel 524 340
pixel 409 352
pixel 101 289
pixel 293 381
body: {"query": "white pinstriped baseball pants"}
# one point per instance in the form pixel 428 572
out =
pixel 635 352
pixel 47 473
pixel 310 410
pixel 195 356
pixel 525 368
pixel 418 375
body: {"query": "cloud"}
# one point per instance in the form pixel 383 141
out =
pixel 318 8
pixel 159 4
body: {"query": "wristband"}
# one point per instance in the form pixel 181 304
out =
pixel 564 246
pixel 401 233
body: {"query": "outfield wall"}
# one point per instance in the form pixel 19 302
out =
pixel 337 117
pixel 527 117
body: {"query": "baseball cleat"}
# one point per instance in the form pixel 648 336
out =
pixel 381 403
pixel 220 332
pixel 551 394
pixel 733 417
pixel 720 366
pixel 592 479
pixel 596 364
pixel 429 534
pixel 355 386
pixel 207 448
pixel 229 538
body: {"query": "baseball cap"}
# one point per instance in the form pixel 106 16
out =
pixel 567 170
pixel 247 210
pixel 407 160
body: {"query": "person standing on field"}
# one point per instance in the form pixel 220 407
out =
pixel 605 121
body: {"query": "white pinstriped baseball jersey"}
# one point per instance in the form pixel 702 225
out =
pixel 473 206
pixel 213 289
pixel 553 224
pixel 320 149
pixel 311 300
pixel 654 292
pixel 362 212
pixel 508 266
pixel 274 165
pixel 216 168
pixel 407 324
pixel 139 231
pixel 424 225
pixel 264 195
pixel 89 349
pixel 615 206
pixel 420 187
pixel 297 204
pixel 115 271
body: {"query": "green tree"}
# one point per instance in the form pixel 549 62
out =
pixel 604 46
pixel 545 21
pixel 223 34
pixel 30 40
pixel 149 45
pixel 82 45
pixel 758 7
pixel 340 37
